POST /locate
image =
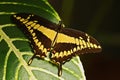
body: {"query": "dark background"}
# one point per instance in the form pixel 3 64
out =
pixel 99 18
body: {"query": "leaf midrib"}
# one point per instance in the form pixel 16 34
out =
pixel 17 53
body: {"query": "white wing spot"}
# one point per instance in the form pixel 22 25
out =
pixel 29 16
pixel 22 19
pixel 29 27
pixel 80 42
pixel 74 49
pixel 30 22
pixel 91 45
pixel 99 46
pixel 65 52
pixel 61 54
pixel 32 25
pixel 84 43
pixel 71 51
pixel 31 31
pixel 88 44
pixel 68 53
pixel 36 41
pixel 34 38
pixel 24 22
pixel 56 55
pixel 39 43
pixel 77 41
pixel 36 26
pixel 95 46
pixel 82 47
pixel 45 50
pixel 33 34
pixel 41 47
pixel 18 18
pixel 80 37
pixel 35 21
pixel 78 47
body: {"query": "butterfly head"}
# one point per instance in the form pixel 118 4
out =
pixel 61 25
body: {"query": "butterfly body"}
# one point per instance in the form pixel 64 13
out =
pixel 61 43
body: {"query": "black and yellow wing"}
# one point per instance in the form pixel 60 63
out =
pixel 62 43
pixel 72 42
pixel 37 30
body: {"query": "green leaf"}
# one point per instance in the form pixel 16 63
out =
pixel 15 50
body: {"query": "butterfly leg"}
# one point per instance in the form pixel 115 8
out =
pixel 31 59
pixel 37 53
pixel 60 69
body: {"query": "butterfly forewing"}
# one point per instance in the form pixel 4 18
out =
pixel 38 30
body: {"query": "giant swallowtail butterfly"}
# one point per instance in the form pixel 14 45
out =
pixel 49 38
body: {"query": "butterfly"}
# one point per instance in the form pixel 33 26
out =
pixel 52 40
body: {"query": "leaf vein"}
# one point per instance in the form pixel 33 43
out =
pixel 5 64
pixel 17 71
pixel 72 72
pixel 6 13
pixel 46 71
